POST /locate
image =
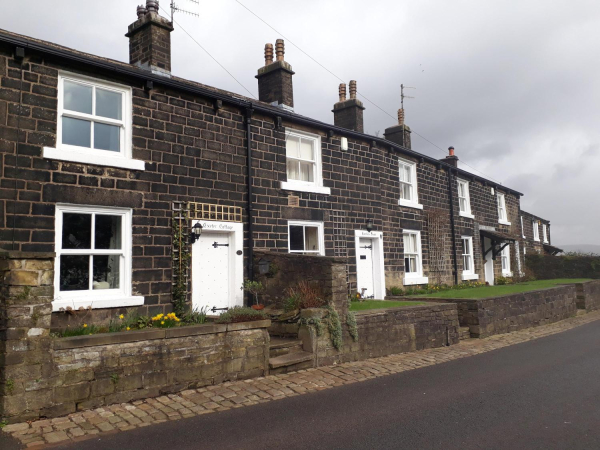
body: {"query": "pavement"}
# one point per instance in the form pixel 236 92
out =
pixel 541 394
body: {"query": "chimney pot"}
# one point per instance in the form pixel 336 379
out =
pixel 401 116
pixel 141 11
pixel 152 6
pixel 352 89
pixel 280 49
pixel 268 54
pixel 399 134
pixel 451 151
pixel 342 92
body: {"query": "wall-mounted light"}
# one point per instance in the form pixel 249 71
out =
pixel 369 225
pixel 196 233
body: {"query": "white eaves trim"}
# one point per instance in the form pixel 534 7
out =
pixel 119 302
pixel 409 204
pixel 291 186
pixel 410 281
pixel 98 160
pixel 469 276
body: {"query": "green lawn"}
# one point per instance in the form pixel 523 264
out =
pixel 494 291
pixel 377 304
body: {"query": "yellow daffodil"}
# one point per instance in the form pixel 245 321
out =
pixel 121 316
pixel 128 328
pixel 85 325
pixel 163 322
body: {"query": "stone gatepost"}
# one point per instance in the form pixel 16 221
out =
pixel 26 294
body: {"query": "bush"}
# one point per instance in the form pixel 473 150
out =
pixel 241 314
pixel 394 290
pixel 501 281
pixel 310 294
pixel 292 302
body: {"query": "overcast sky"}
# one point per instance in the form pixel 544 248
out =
pixel 513 85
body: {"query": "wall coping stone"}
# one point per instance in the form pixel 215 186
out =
pixel 428 307
pixel 13 254
pixel 124 337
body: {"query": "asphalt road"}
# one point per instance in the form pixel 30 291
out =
pixel 543 394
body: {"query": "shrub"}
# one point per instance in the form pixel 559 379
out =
pixel 500 281
pixel 395 290
pixel 241 314
pixel 195 316
pixel 292 302
pixel 310 294
pixel 254 288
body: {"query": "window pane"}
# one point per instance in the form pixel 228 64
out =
pixel 406 192
pixel 461 189
pixel 76 231
pixel 77 97
pixel 410 243
pixel 107 137
pixel 76 132
pixel 410 264
pixel 109 104
pixel 74 272
pixel 306 149
pixel 291 147
pixel 292 170
pixel 106 271
pixel 296 237
pixel 312 238
pixel 108 232
pixel 307 172
pixel 463 204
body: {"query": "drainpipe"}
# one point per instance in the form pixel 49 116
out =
pixel 20 57
pixel 250 209
pixel 452 226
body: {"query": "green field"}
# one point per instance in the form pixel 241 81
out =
pixel 494 291
pixel 377 304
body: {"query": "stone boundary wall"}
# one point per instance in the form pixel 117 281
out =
pixel 588 295
pixel 497 315
pixel 384 332
pixel 545 267
pixel 287 269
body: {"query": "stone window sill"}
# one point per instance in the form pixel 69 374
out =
pixel 411 281
pixel 466 215
pixel 409 204
pixel 116 302
pixel 469 276
pixel 504 222
pixel 98 160
pixel 290 186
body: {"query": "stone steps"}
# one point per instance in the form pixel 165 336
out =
pixel 290 362
pixel 464 333
pixel 581 312
pixel 283 346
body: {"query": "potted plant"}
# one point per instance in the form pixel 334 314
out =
pixel 254 288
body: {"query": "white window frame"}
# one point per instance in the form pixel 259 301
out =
pixel 468 274
pixel 304 223
pixel 316 186
pixel 536 230
pixel 413 278
pixel 522 228
pixel 414 201
pixel 545 233
pixel 505 261
pixel 502 212
pixel 101 298
pixel 467 212
pixel 64 152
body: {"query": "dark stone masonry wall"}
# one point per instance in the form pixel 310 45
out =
pixel 498 315
pixel 384 332
pixel 588 295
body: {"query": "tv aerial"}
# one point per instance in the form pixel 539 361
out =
pixel 176 8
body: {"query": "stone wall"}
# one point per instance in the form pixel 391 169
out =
pixel 284 270
pixel 545 267
pixel 384 332
pixel 588 295
pixel 41 376
pixel 496 315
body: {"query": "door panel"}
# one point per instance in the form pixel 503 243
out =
pixel 364 267
pixel 489 263
pixel 212 271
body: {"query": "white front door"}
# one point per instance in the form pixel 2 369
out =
pixel 364 268
pixel 489 262
pixel 217 267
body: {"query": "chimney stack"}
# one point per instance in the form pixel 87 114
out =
pixel 451 159
pixel 150 40
pixel 275 78
pixel 349 113
pixel 399 134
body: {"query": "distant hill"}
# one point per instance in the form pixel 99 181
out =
pixel 583 248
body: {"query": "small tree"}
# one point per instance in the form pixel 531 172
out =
pixel 254 288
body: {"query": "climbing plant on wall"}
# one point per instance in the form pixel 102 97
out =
pixel 437 226
pixel 181 257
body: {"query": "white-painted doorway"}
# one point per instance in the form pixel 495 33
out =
pixel 489 262
pixel 370 270
pixel 218 267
